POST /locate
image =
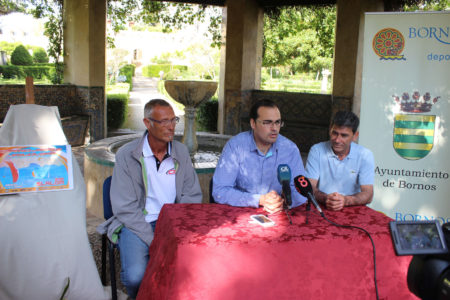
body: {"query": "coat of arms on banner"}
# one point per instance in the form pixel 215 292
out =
pixel 388 44
pixel 413 131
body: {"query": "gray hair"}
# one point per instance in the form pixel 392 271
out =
pixel 148 108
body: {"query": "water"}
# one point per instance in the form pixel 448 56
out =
pixel 206 156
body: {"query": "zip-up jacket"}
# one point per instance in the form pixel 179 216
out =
pixel 129 189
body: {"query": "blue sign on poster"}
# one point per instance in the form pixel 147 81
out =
pixel 35 168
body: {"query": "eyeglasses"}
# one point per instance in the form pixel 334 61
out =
pixel 166 122
pixel 269 123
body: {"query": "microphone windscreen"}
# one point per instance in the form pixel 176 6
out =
pixel 284 173
pixel 302 185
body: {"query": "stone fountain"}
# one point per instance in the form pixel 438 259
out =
pixel 99 156
pixel 191 94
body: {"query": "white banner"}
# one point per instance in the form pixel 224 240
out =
pixel 405 112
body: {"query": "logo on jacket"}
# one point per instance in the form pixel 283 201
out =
pixel 171 172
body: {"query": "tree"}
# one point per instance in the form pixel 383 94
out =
pixel 40 56
pixel 169 15
pixel 301 38
pixel 203 60
pixel 413 5
pixel 116 60
pixel 8 47
pixel 8 6
pixel 21 56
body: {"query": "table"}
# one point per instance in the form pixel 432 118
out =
pixel 211 251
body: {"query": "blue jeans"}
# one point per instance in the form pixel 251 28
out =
pixel 133 259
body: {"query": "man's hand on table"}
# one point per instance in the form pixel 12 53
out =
pixel 272 202
pixel 335 201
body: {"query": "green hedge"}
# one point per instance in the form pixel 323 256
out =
pixel 38 71
pixel 40 56
pixel 21 56
pixel 10 72
pixel 116 107
pixel 153 70
pixel 207 114
pixel 128 71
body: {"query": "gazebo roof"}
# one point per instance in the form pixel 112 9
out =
pixel 389 4
pixel 263 3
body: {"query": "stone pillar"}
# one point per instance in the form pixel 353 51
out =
pixel 85 59
pixel 243 60
pixel 348 49
pixel 366 6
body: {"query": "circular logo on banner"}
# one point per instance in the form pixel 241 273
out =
pixel 388 44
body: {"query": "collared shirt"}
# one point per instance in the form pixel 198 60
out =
pixel 343 176
pixel 244 173
pixel 160 181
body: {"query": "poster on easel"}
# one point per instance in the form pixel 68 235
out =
pixel 405 112
pixel 38 168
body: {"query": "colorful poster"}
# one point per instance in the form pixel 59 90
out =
pixel 405 112
pixel 35 168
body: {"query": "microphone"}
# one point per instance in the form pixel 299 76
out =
pixel 284 177
pixel 303 186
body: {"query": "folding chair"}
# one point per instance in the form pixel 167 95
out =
pixel 108 213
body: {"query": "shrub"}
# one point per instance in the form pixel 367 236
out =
pixel 206 117
pixel 56 75
pixel 20 72
pixel 40 56
pixel 8 47
pixel 153 70
pixel 21 57
pixel 129 68
pixel 10 72
pixel 38 72
pixel 128 71
pixel 116 108
pixel 172 74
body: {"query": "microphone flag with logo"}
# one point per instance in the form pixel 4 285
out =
pixel 284 177
pixel 303 186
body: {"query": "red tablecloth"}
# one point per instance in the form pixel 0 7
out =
pixel 211 251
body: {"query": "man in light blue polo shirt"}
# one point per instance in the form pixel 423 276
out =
pixel 341 171
pixel 246 174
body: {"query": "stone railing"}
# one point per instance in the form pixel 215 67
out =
pixel 79 107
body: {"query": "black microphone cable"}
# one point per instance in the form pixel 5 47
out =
pixel 371 240
pixel 303 186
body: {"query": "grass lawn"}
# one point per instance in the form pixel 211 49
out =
pixel 295 85
pixel 22 81
pixel 118 88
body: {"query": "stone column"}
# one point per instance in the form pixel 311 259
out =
pixel 348 50
pixel 85 59
pixel 242 64
pixel 366 6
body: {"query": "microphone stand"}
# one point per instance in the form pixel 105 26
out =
pixel 286 208
pixel 308 208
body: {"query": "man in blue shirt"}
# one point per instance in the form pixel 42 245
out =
pixel 246 174
pixel 341 171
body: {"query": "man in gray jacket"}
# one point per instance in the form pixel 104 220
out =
pixel 149 172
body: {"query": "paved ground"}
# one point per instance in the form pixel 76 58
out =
pixel 145 89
